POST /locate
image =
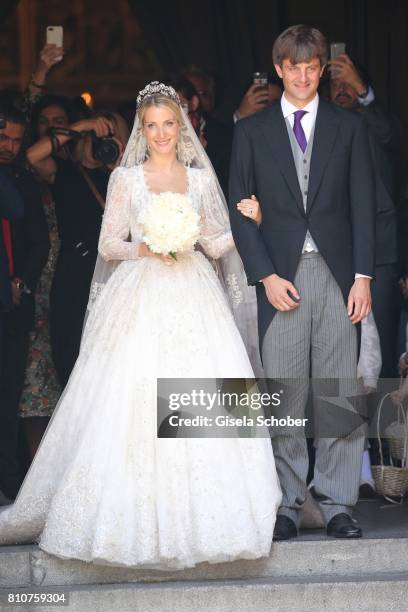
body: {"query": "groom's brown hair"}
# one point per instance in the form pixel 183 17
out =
pixel 298 44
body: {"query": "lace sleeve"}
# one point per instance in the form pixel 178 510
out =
pixel 216 237
pixel 114 238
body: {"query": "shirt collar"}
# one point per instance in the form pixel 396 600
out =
pixel 288 108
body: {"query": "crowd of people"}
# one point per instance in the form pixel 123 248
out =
pixel 56 157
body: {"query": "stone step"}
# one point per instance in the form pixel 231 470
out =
pixel 379 592
pixel 25 566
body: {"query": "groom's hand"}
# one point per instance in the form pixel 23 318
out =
pixel 277 293
pixel 359 301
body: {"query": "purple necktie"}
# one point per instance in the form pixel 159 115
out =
pixel 298 130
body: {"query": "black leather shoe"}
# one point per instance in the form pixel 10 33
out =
pixel 285 528
pixel 343 526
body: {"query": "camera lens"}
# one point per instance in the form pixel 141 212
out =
pixel 105 150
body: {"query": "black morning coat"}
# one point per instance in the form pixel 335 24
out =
pixel 340 211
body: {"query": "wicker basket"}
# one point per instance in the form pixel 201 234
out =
pixel 391 481
pixel 395 432
pixel 395 436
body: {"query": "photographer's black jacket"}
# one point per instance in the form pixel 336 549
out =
pixel 30 244
pixel 11 207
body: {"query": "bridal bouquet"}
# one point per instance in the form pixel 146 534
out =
pixel 170 224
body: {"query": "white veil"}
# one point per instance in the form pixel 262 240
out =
pixel 229 267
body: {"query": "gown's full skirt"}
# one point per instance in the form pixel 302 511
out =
pixel 102 486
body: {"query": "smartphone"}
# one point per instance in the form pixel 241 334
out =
pixel 260 79
pixel 55 36
pixel 337 49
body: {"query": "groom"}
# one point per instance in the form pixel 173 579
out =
pixel 312 260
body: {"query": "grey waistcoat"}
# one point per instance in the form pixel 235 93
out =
pixel 302 165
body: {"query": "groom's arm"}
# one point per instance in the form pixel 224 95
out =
pixel 362 202
pixel 363 211
pixel 247 237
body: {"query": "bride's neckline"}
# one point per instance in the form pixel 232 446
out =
pixel 151 192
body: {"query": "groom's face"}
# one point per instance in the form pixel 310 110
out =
pixel 301 80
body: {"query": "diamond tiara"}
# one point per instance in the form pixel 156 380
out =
pixel 156 88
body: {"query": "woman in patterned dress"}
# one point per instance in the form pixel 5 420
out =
pixel 41 389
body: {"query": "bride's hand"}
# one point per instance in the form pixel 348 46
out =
pixel 167 259
pixel 250 208
pixel 144 251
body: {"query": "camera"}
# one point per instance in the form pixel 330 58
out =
pixel 106 150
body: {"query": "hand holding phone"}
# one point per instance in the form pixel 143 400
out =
pixel 261 80
pixel 337 49
pixel 255 99
pixel 55 36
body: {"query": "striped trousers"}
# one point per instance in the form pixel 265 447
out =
pixel 316 340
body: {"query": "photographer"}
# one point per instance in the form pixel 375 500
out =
pixel 11 207
pixel 78 185
pixel 27 250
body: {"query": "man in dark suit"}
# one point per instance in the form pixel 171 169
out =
pixel 351 90
pixel 11 208
pixel 28 245
pixel 312 261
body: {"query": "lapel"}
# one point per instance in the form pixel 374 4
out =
pixel 275 131
pixel 327 124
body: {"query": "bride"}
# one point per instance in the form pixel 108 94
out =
pixel 103 488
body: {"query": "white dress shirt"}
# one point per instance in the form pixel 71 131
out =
pixel 308 120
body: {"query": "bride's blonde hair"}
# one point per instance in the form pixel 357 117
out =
pixel 159 101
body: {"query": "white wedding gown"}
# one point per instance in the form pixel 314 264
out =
pixel 102 487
